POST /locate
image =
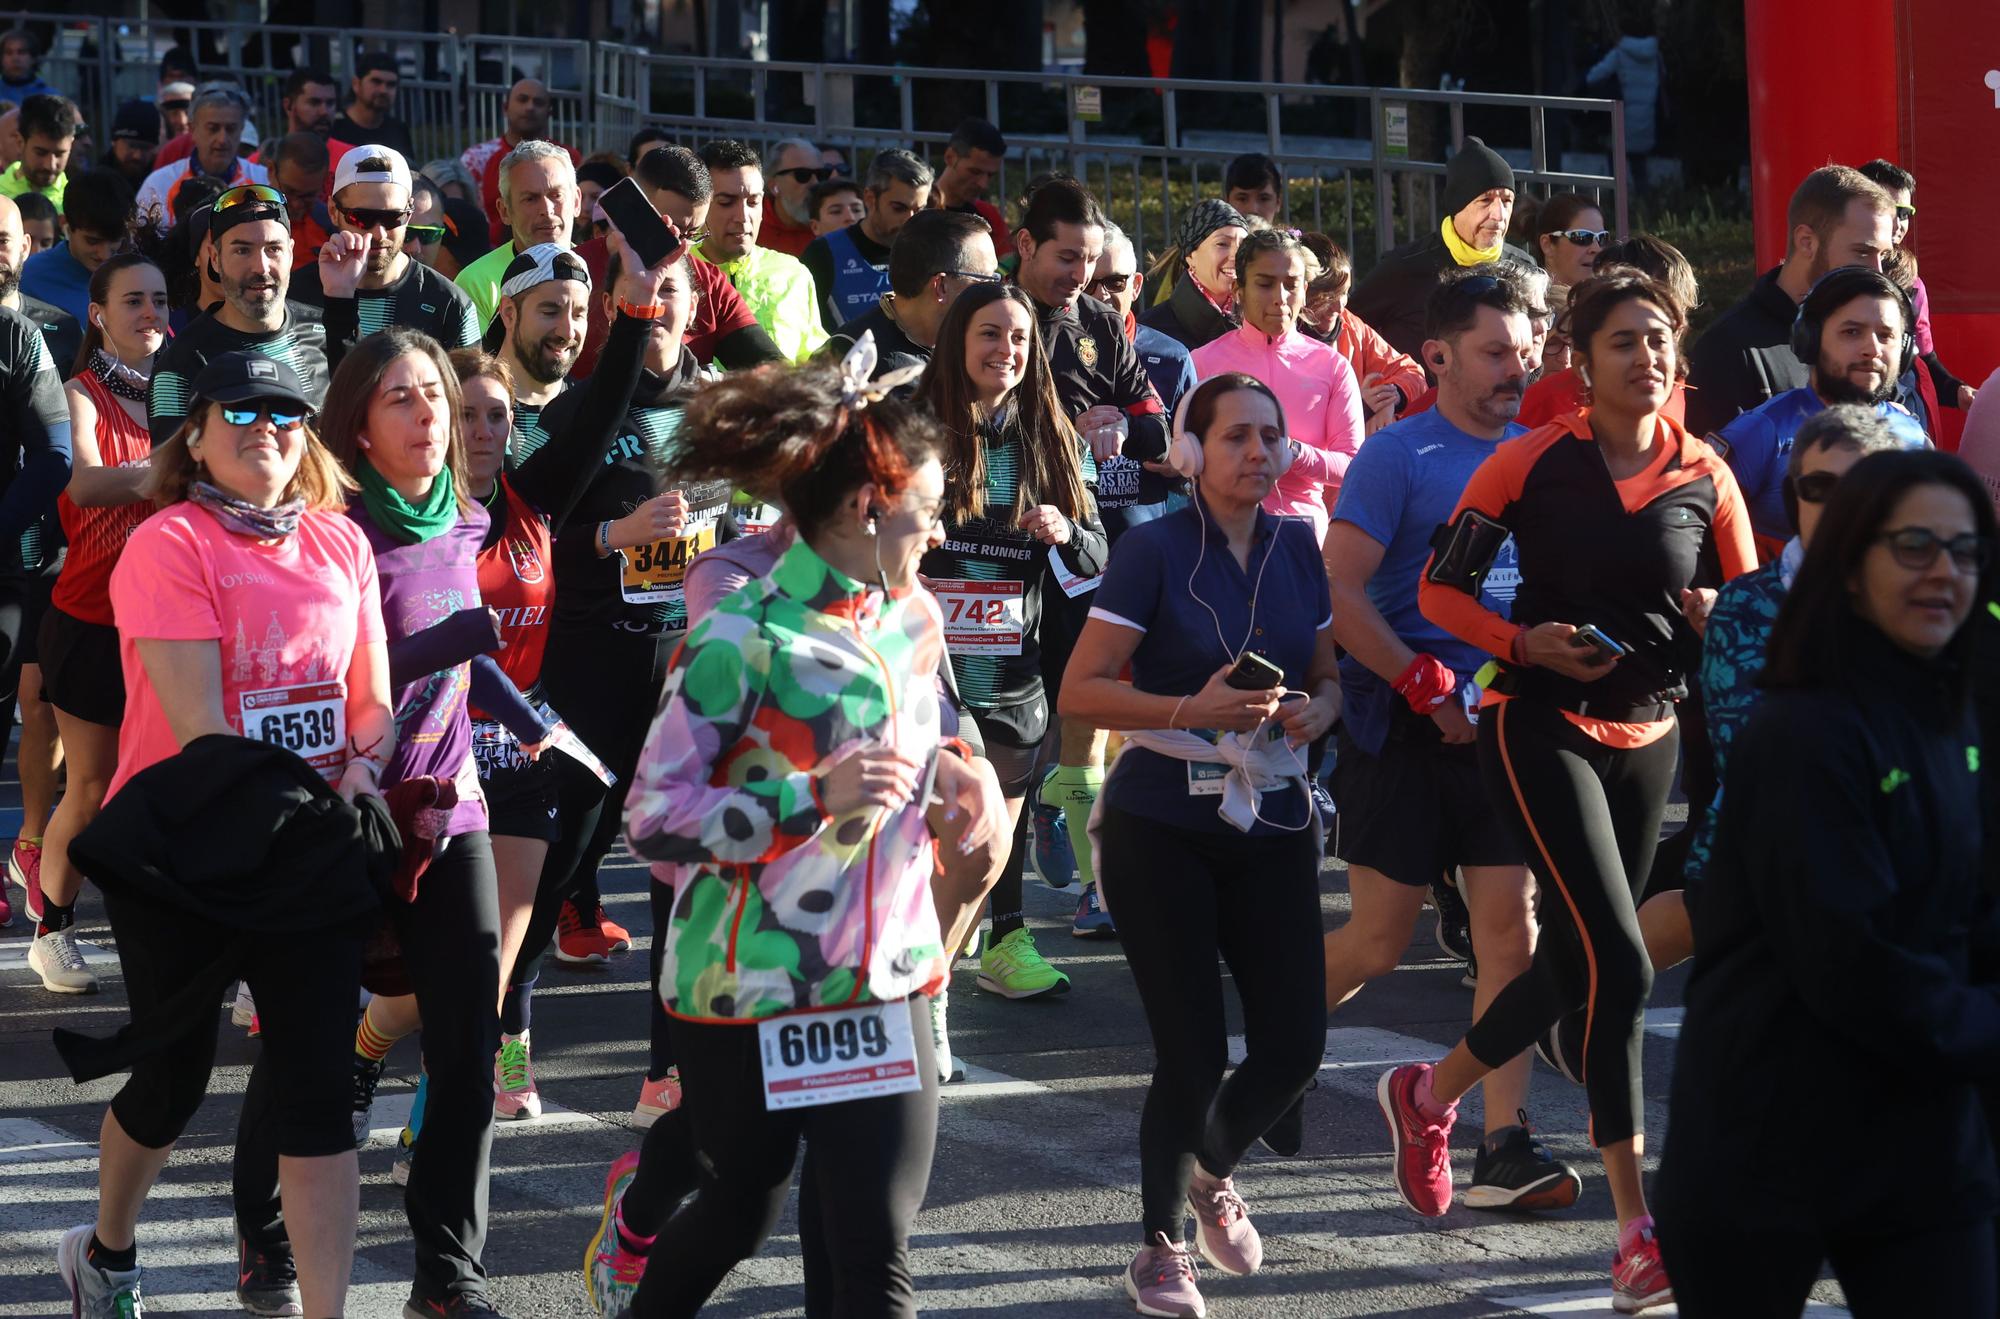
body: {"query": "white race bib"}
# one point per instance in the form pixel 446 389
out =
pixel 309 718
pixel 982 618
pixel 832 1057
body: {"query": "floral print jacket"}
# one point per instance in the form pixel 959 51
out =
pixel 778 906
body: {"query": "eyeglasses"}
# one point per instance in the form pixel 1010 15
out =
pixel 1906 213
pixel 1113 283
pixel 248 194
pixel 425 233
pixel 284 421
pixel 806 174
pixel 976 276
pixel 694 237
pixel 1917 548
pixel 1815 487
pixel 1586 237
pixel 370 217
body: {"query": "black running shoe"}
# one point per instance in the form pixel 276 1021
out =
pixel 455 1306
pixel 1287 1135
pixel 1521 1174
pixel 1561 1046
pixel 1454 923
pixel 367 1076
pixel 267 1282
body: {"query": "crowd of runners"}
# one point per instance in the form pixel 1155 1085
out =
pixel 388 542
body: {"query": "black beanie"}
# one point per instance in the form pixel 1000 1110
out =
pixel 1476 169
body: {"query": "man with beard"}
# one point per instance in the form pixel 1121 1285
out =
pixel 1837 217
pixel 775 287
pixel 1412 804
pixel 527 112
pixel 61 334
pixel 538 199
pixel 544 311
pixel 364 279
pixel 135 141
pixel 248 250
pixel 1853 337
pixel 795 170
pixel 49 126
pixel 938 256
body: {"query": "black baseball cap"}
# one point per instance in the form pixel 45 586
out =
pixel 244 204
pixel 136 121
pixel 243 377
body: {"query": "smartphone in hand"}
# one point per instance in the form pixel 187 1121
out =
pixel 625 205
pixel 1254 673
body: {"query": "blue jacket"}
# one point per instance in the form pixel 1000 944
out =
pixel 1758 443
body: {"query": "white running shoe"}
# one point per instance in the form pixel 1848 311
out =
pixel 56 959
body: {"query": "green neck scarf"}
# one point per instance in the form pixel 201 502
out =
pixel 398 517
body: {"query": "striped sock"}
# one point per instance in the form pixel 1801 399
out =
pixel 370 1043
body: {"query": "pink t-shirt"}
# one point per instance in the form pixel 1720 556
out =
pixel 287 618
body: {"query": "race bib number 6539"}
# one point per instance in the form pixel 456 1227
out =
pixel 309 718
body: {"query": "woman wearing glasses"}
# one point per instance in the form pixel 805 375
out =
pixel 1612 510
pixel 365 277
pixel 1854 955
pixel 250 580
pixel 1569 234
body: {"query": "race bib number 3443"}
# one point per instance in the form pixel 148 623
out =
pixel 832 1057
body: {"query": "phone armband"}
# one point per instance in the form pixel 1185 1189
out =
pixel 1463 549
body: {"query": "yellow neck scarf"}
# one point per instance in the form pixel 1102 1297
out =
pixel 1466 254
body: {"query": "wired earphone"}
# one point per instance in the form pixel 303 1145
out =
pixel 1184 454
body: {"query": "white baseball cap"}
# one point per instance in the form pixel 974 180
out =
pixel 371 164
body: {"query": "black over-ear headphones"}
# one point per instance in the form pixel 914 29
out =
pixel 1836 289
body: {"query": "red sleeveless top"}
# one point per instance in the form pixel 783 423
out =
pixel 516 581
pixel 97 535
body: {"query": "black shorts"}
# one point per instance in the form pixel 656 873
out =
pixel 35 607
pixel 520 793
pixel 1013 736
pixel 82 672
pixel 1419 810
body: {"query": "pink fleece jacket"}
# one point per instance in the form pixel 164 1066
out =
pixel 1322 403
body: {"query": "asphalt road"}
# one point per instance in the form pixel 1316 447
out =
pixel 1033 1205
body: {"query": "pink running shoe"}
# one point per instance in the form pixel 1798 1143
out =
pixel 1638 1278
pixel 1161 1281
pixel 24 867
pixel 656 1099
pixel 1422 1144
pixel 611 1272
pixel 1223 1231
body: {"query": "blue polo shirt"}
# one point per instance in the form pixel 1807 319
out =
pixel 1402 486
pixel 1164 579
pixel 59 279
pixel 1758 445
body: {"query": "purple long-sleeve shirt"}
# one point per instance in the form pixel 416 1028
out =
pixel 424 585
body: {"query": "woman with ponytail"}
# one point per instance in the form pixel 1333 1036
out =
pixel 784 781
pixel 82 677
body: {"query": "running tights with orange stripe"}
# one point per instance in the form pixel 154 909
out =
pixel 1590 820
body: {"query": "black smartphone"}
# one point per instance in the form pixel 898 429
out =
pixel 1254 673
pixel 632 215
pixel 1606 648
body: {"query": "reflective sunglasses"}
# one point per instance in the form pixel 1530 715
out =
pixel 1906 213
pixel 242 416
pixel 371 217
pixel 425 233
pixel 806 174
pixel 249 194
pixel 1917 548
pixel 1113 283
pixel 1586 237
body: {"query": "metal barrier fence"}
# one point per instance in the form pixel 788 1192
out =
pixel 1354 156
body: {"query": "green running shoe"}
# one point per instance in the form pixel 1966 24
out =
pixel 1015 968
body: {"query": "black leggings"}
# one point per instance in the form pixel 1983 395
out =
pixel 871 1160
pixel 607 689
pixel 451 949
pixel 1721 1272
pixel 1180 896
pixel 306 985
pixel 1590 817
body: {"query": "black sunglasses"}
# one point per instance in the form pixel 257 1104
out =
pixel 806 173
pixel 1906 213
pixel 1917 548
pixel 1586 237
pixel 1815 487
pixel 975 276
pixel 370 217
pixel 1113 283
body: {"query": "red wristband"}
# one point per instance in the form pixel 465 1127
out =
pixel 1426 684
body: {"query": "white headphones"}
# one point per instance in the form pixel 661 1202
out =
pixel 1184 453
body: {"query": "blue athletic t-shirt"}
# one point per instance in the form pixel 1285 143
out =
pixel 1402 485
